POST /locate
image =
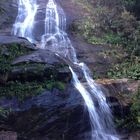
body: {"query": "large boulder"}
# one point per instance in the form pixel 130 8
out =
pixel 119 94
pixel 58 114
pixel 51 115
pixel 26 71
pixel 25 61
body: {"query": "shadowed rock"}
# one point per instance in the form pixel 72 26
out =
pixel 7 135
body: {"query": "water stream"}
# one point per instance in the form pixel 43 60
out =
pixel 55 39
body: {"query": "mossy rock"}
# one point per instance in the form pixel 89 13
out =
pixel 25 72
pixel 8 53
pixel 25 90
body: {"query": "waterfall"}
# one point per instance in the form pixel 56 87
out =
pixel 24 23
pixel 56 40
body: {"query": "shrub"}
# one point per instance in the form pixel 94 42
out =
pixel 131 121
pixel 126 69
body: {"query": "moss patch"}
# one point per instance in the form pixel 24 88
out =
pixel 4 112
pixel 30 80
pixel 127 69
pixel 24 90
pixel 8 53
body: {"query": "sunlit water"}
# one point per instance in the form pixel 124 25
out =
pixel 55 39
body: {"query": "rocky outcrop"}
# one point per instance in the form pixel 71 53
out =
pixel 60 114
pixel 119 94
pixel 51 115
pixel 8 12
pixel 9 39
pixel 33 63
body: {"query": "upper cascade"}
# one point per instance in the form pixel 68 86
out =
pixel 55 17
pixel 27 22
pixel 51 4
pixel 23 26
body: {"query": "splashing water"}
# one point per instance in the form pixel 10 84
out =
pixel 56 39
pixel 24 24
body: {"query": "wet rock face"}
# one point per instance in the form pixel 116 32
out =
pixel 8 12
pixel 90 54
pixel 26 71
pixel 118 94
pixel 10 9
pixel 58 113
pixel 51 115
pixel 31 64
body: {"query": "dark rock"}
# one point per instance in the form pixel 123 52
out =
pixel 52 115
pixel 40 56
pixel 59 114
pixel 33 64
pixel 54 66
pixel 134 135
pixel 7 135
pixel 118 94
pixel 15 40
pixel 8 12
pixel 3 78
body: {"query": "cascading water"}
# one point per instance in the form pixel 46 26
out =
pixel 56 39
pixel 24 24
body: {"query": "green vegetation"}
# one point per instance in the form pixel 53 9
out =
pixel 133 6
pixel 4 112
pixel 24 90
pixel 55 84
pixel 8 53
pixel 129 2
pixel 20 90
pixel 127 69
pixel 22 87
pixel 135 108
pixel 118 28
pixel 131 121
pixel 122 30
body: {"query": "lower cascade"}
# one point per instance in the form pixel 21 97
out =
pixel 55 39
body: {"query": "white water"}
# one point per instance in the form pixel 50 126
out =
pixel 56 39
pixel 24 24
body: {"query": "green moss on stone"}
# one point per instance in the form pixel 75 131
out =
pixel 22 87
pixel 4 112
pixel 24 90
pixel 8 53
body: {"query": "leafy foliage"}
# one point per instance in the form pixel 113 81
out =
pixel 115 26
pixel 131 121
pixel 24 90
pixel 127 69
pixel 55 84
pixel 133 6
pixel 4 112
pixel 8 53
pixel 118 28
